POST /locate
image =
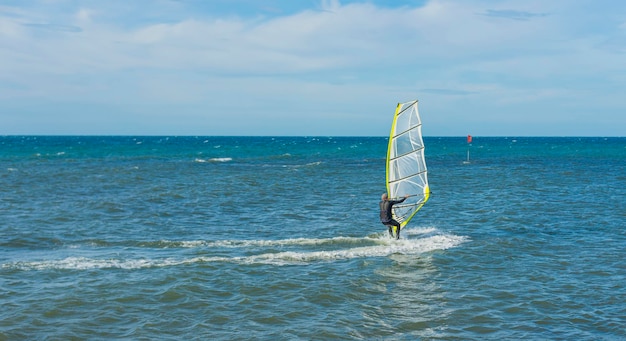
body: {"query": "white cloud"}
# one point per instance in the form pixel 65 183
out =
pixel 341 58
pixel 83 16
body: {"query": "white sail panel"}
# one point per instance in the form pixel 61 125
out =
pixel 406 166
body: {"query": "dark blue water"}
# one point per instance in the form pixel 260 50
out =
pixel 278 237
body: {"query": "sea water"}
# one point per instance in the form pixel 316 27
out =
pixel 228 238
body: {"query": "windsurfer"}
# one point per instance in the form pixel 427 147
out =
pixel 385 214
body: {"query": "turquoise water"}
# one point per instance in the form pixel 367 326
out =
pixel 278 238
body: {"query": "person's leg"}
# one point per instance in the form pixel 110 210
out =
pixel 397 228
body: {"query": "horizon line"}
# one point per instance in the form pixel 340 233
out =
pixel 327 136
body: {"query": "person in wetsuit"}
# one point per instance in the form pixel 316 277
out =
pixel 385 214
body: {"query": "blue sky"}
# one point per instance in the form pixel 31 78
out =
pixel 308 67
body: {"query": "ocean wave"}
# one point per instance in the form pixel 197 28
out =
pixel 387 248
pixel 215 159
pixel 270 243
pixel 310 164
pixel 382 247
pixel 376 238
pixel 339 241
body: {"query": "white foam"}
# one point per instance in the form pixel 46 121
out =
pixel 378 238
pixel 221 159
pixel 310 164
pixel 382 247
pixel 272 243
pixel 216 159
pixel 402 246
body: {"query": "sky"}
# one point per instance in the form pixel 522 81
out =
pixel 312 67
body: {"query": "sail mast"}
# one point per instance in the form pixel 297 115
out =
pixel 469 144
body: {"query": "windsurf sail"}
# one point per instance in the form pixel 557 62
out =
pixel 406 167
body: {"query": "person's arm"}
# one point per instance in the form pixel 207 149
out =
pixel 401 200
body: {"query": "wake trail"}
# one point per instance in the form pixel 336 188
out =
pixel 343 249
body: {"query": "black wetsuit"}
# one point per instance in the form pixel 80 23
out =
pixel 386 217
